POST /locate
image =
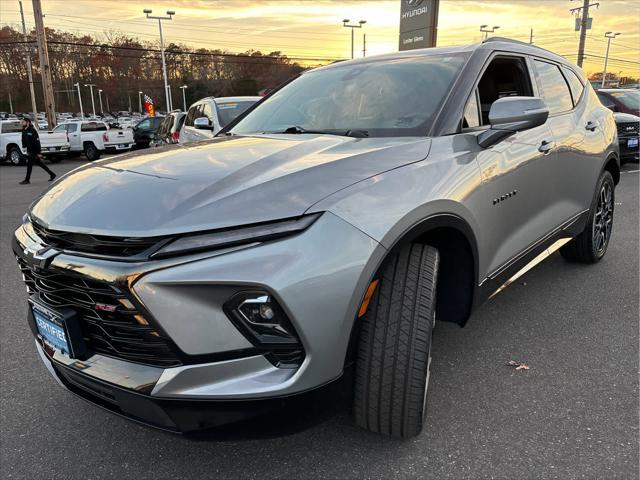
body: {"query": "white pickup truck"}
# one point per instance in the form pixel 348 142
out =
pixel 53 144
pixel 94 137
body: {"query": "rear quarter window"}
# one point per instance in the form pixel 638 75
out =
pixel 11 127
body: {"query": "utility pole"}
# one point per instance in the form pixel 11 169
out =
pixel 170 14
pixel 584 23
pixel 364 45
pixel 79 99
pixel 29 68
pixel 45 70
pixel 93 104
pixel 609 36
pixel 184 97
pixel 345 23
pixel 531 36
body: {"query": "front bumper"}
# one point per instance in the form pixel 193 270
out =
pixel 627 152
pixel 318 276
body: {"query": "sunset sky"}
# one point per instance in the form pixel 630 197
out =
pixel 313 28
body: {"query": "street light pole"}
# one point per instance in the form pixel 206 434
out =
pixel 184 98
pixel 140 101
pixel 93 104
pixel 345 23
pixel 484 29
pixel 79 99
pixel 170 14
pixel 100 97
pixel 609 36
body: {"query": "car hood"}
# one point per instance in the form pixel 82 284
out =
pixel 626 118
pixel 218 183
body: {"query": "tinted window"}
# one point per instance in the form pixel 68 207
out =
pixel 180 122
pixel 11 127
pixel 230 110
pixel 629 99
pixel 72 127
pixel 88 127
pixel 146 123
pixel 555 91
pixel 390 97
pixel 574 84
pixel 101 127
pixel 192 114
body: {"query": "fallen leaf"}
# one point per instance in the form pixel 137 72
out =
pixel 518 365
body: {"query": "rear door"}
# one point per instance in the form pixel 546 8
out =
pixel 75 141
pixel 578 140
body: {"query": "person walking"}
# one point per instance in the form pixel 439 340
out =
pixel 31 142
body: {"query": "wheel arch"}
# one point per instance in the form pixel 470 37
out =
pixel 457 245
pixel 612 165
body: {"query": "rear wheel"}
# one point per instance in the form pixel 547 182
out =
pixel 15 156
pixel 591 245
pixel 394 350
pixel 91 152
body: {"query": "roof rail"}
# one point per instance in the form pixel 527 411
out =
pixel 518 42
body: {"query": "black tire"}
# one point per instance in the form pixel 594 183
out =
pixel 14 156
pixel 591 245
pixel 392 365
pixel 91 152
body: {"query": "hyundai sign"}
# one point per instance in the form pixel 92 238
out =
pixel 418 24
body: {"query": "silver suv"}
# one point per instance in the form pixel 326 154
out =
pixel 329 227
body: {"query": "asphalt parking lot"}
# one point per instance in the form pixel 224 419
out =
pixel 573 414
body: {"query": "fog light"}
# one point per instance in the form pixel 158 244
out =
pixel 261 319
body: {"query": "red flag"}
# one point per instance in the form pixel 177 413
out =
pixel 148 106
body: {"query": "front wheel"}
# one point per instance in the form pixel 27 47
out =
pixel 394 349
pixel 591 245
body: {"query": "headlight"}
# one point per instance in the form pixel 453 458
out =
pixel 237 236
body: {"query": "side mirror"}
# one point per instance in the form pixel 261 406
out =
pixel 513 114
pixel 202 123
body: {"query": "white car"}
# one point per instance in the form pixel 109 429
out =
pixel 93 138
pixel 208 116
pixel 52 144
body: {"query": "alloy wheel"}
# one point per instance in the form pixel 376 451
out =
pixel 603 219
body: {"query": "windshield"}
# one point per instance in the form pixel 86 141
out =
pixel 229 110
pixel 397 97
pixel 630 100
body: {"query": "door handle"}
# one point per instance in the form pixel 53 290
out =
pixel 546 146
pixel 591 126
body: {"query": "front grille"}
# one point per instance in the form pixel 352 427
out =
pixel 100 244
pixel 123 333
pixel 629 128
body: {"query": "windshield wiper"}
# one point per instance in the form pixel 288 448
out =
pixel 343 133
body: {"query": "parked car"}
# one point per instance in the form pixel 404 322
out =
pixel 628 133
pixel 92 138
pixel 622 100
pixel 208 116
pixel 328 229
pixel 53 145
pixel 169 130
pixel 145 130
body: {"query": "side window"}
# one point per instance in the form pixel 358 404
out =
pixel 504 77
pixel 555 91
pixel 60 128
pixel 575 85
pixel 88 127
pixel 72 127
pixel 191 116
pixel 207 111
pixel 471 118
pixel 144 123
pixel 101 127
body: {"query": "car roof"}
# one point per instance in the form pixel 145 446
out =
pixel 607 90
pixel 491 44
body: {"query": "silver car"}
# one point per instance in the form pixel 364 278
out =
pixel 326 229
